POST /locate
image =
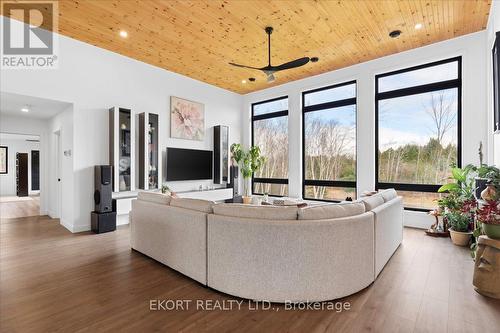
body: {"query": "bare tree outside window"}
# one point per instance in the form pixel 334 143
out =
pixel 418 133
pixel 330 142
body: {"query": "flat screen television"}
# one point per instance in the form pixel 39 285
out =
pixel 188 164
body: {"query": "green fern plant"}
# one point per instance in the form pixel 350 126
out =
pixel 249 162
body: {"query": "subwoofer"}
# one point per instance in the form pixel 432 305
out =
pixel 103 188
pixel 103 222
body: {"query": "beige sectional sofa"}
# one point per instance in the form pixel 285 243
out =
pixel 278 254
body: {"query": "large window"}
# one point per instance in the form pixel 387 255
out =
pixel 270 133
pixel 418 130
pixel 329 142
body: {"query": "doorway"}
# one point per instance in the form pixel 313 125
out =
pixel 20 182
pixel 56 180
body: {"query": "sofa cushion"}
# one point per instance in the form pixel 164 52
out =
pixel 200 205
pixel 331 211
pixel 373 201
pixel 257 211
pixel 155 197
pixel 388 194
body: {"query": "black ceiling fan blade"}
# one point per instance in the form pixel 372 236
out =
pixel 244 66
pixel 292 64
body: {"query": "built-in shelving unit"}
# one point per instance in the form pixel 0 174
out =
pixel 122 148
pixel 221 154
pixel 149 152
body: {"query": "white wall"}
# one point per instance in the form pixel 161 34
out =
pixel 61 203
pixel 8 182
pixel 493 26
pixel 93 80
pixel 474 117
pixel 23 125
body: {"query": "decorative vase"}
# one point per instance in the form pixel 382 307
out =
pixel 492 230
pixel 480 186
pixel 489 193
pixel 123 184
pixel 247 200
pixel 460 238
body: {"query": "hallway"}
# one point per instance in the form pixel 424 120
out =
pixel 14 207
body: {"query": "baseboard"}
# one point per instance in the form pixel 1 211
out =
pixel 75 229
pixel 122 219
pixel 416 219
pixel 81 228
pixel 67 226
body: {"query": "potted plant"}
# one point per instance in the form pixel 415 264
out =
pixel 236 154
pixel 489 217
pixel 459 205
pixel 459 227
pixel 249 162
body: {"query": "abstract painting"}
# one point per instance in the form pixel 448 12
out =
pixel 3 160
pixel 187 119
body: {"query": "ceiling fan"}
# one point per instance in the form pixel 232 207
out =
pixel 269 70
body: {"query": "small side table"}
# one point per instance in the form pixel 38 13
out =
pixel 434 230
pixel 487 267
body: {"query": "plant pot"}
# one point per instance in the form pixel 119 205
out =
pixel 492 230
pixel 247 200
pixel 460 238
pixel 480 185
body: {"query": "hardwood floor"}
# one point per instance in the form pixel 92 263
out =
pixel 52 280
pixel 14 207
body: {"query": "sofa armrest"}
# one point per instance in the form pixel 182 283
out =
pixel 388 231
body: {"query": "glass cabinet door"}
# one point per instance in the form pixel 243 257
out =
pixel 149 151
pixel 153 151
pixel 125 145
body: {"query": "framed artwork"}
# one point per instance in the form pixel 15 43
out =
pixel 187 119
pixel 4 160
pixel 496 83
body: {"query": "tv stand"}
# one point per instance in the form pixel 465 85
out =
pixel 218 194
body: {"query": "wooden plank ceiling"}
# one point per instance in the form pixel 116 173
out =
pixel 199 38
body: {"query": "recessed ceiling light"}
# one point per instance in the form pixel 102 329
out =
pixel 418 26
pixel 243 81
pixel 25 109
pixel 395 33
pixel 123 34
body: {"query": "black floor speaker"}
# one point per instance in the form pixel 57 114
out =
pixel 103 222
pixel 103 188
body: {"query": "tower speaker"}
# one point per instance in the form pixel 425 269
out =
pixel 233 179
pixel 103 188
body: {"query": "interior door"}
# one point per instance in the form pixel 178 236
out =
pixel 35 170
pixel 57 174
pixel 22 174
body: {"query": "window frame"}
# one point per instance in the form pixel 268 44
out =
pixel 270 115
pixel 325 106
pixel 414 90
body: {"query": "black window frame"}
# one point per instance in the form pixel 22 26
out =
pixel 325 106
pixel 414 90
pixel 270 115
